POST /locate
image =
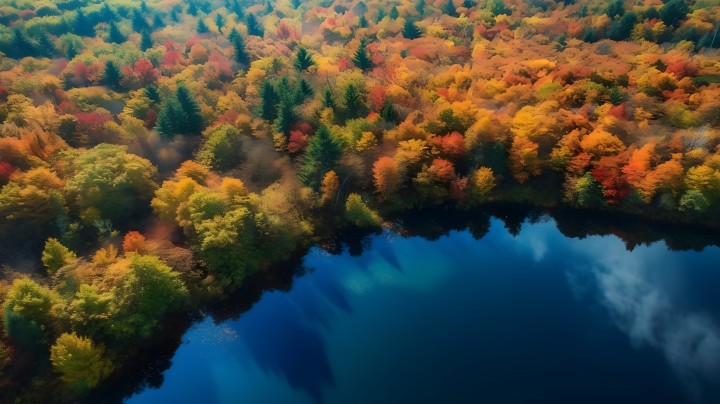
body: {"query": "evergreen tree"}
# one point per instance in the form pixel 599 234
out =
pixel 354 102
pixel 112 74
pixel 71 50
pixel 152 93
pixel 115 36
pixel 616 8
pixel 328 100
pixel 158 22
pixel 201 26
pixel 22 44
pixel 381 15
pixel 191 110
pixel 219 21
pixel 146 41
pixel 363 23
pixel 83 26
pixel 302 60
pixel 449 9
pixel 269 101
pixel 139 23
pixel 171 119
pixel 320 156
pixel 674 11
pixel 285 116
pixel 420 7
pixel 107 14
pixel 361 59
pixel 253 26
pixel 192 9
pixel 410 30
pixel 296 4
pixel 238 44
pixel 45 44
pixel 388 112
pixel 394 14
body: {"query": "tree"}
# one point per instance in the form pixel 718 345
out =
pixel 360 58
pixel 357 213
pixel 524 161
pixel 219 21
pixel 328 99
pixel 354 102
pixel 386 176
pixel 420 7
pixel 394 13
pixel 388 112
pixel 83 26
pixel 222 148
pixel 674 11
pixel 146 41
pixel 269 100
pixel 191 110
pixel 238 44
pixel 329 187
pixel 285 116
pixel 482 183
pixel 115 36
pixel 56 255
pixel 253 26
pixel 202 28
pixel 410 30
pixel 302 60
pixel 80 362
pixel 585 192
pixel 319 157
pixel 616 8
pixel 112 74
pixel 107 182
pixel 134 242
pixel 171 120
pixel 149 291
pixel 28 301
pixel 449 9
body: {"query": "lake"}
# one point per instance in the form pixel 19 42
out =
pixel 531 317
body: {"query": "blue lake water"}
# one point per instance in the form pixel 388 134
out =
pixel 538 317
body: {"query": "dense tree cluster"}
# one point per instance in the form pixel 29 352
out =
pixel 249 127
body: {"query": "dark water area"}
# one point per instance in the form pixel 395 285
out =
pixel 513 308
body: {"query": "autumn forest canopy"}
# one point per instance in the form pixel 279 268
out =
pixel 154 154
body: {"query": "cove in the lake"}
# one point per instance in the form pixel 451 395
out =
pixel 535 317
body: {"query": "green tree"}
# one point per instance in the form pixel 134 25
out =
pixel 107 182
pixel 146 41
pixel 394 13
pixel 674 11
pixel 31 303
pixel 361 59
pixel 202 28
pixel 171 119
pixel 354 102
pixel 694 202
pixel 253 26
pixel 363 22
pixel 285 116
pixel 320 156
pixel 449 9
pixel 83 26
pixel 149 291
pixel 191 110
pixel 89 311
pixel 222 148
pixel 302 60
pixel 112 74
pixel 269 100
pixel 238 43
pixel 588 192
pixel 80 362
pixel 56 255
pixel 357 213
pixel 219 21
pixel 410 30
pixel 115 36
pixel 420 7
pixel 388 112
pixel 328 100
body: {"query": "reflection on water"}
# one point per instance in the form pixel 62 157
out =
pixel 522 314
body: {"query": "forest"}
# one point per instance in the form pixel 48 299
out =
pixel 154 154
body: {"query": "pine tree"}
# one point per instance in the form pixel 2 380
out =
pixel 388 112
pixel 107 14
pixel 296 4
pixel 354 103
pixel 115 36
pixel 83 26
pixel 320 156
pixel 420 7
pixel 201 26
pixel 410 30
pixel 253 26
pixel 22 44
pixel 285 116
pixel 361 59
pixel 71 51
pixel 152 93
pixel 381 15
pixel 192 9
pixel 219 21
pixel 238 43
pixel 158 22
pixel 269 101
pixel 191 110
pixel 45 44
pixel 328 100
pixel 394 13
pixel 112 74
pixel 171 120
pixel 146 41
pixel 139 23
pixel 363 22
pixel 302 60
pixel 449 9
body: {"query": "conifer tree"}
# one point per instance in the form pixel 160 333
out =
pixel 253 26
pixel 269 101
pixel 320 156
pixel 112 74
pixel 410 30
pixel 201 26
pixel 171 119
pixel 191 110
pixel 302 60
pixel 83 26
pixel 328 100
pixel 449 9
pixel 361 59
pixel 146 41
pixel 115 36
pixel 394 13
pixel 388 112
pixel 354 102
pixel 285 116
